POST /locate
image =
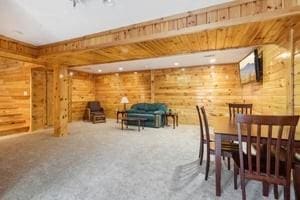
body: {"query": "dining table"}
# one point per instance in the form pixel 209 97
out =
pixel 225 130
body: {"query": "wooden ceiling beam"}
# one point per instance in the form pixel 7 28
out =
pixel 17 50
pixel 228 14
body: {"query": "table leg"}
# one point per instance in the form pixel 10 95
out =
pixel 218 163
pixel 167 120
pixel 143 124
pixel 117 117
pixel 139 124
pixel 173 121
pixel 122 121
pixel 177 120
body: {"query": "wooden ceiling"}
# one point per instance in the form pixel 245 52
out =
pixel 231 25
pixel 245 35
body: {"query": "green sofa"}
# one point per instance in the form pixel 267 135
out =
pixel 153 112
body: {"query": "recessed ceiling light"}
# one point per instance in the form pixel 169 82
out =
pixel 213 60
pixel 71 73
pixel 212 67
pixel 99 70
pixel 120 68
pixel 176 64
pixel 182 69
pixel 135 72
pixel 109 2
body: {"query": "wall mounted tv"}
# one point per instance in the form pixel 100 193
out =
pixel 251 68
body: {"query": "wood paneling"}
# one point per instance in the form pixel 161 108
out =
pixel 42 98
pixel 270 96
pixel 15 91
pixel 208 18
pixel 297 80
pixel 213 87
pixel 82 90
pixel 17 50
pixel 244 35
pixel 110 88
pixel 180 90
pixel 39 96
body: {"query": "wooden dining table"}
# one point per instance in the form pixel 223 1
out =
pixel 225 129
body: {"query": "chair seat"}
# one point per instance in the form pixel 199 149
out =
pixel 226 146
pixel 263 166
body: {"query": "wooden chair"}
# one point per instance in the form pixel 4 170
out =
pixel 296 174
pixel 235 109
pixel 263 166
pixel 205 138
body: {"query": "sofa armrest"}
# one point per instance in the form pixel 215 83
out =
pixel 158 112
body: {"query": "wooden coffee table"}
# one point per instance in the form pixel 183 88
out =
pixel 139 120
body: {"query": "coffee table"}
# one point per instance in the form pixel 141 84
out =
pixel 139 120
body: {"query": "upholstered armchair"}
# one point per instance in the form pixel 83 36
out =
pixel 95 112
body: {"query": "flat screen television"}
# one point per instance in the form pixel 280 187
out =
pixel 251 68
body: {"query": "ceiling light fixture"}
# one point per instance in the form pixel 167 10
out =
pixel 120 68
pixel 99 70
pixel 176 64
pixel 109 2
pixel 75 2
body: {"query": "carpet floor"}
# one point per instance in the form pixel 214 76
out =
pixel 102 162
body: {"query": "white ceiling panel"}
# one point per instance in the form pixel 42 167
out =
pixel 41 22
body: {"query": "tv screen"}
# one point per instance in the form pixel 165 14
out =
pixel 250 68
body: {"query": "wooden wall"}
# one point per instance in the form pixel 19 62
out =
pixel 110 88
pixel 214 87
pixel 15 112
pixel 297 80
pixel 39 97
pixel 82 90
pixel 42 98
pixel 269 96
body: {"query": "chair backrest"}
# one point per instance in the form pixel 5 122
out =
pixel 267 132
pixel 235 108
pixel 204 128
pixel 94 106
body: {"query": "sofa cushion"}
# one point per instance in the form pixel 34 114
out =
pixel 149 117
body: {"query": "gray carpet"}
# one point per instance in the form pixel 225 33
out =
pixel 101 162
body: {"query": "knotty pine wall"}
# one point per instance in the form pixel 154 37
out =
pixel 297 80
pixel 82 90
pixel 15 91
pixel 213 87
pixel 110 88
pixel 270 96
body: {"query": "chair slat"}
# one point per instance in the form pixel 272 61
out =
pixel 268 161
pixel 277 150
pixel 258 151
pixel 235 108
pixel 249 147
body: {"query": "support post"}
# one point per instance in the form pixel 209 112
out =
pixel 60 98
